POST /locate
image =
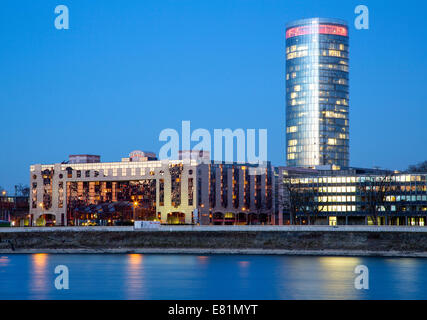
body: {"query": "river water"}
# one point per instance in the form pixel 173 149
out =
pixel 170 276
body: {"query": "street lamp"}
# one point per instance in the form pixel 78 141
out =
pixel 135 204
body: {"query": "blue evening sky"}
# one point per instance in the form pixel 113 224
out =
pixel 125 70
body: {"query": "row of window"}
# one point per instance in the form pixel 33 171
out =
pixel 354 179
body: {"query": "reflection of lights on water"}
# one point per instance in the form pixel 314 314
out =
pixel 39 283
pixel 203 259
pixel 244 264
pixel 338 268
pixel 39 261
pixel 407 262
pixel 339 262
pixel 135 276
pixel 134 260
pixel 244 273
pixel 319 277
pixel 4 261
pixel 338 275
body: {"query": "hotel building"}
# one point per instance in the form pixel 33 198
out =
pixel 186 191
pixel 317 93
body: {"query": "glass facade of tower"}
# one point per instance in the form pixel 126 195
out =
pixel 317 93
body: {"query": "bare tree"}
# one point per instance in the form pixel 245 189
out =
pixel 374 192
pixel 22 190
pixel 418 168
pixel 262 210
pixel 298 199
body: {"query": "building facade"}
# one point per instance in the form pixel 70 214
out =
pixel 317 93
pixel 194 191
pixel 351 197
pixel 84 158
pixel 171 191
pixel 14 210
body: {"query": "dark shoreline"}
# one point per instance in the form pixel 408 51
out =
pixel 324 241
pixel 323 253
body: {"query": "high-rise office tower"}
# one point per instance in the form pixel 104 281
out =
pixel 317 93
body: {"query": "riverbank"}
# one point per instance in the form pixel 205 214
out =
pixel 195 251
pixel 270 240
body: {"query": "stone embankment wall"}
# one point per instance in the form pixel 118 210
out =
pixel 261 239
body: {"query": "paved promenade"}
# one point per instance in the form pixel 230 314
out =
pixel 166 228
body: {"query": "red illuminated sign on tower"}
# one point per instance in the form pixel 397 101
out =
pixel 322 29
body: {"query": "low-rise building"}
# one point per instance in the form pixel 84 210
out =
pixel 351 196
pixel 191 190
pixel 14 210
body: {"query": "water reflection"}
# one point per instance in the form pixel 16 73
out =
pixel 405 277
pixel 337 277
pixel 203 260
pixel 244 264
pixel 4 261
pixel 39 280
pixel 156 276
pixel 243 268
pixel 317 278
pixel 135 277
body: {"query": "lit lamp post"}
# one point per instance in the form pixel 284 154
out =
pixel 135 204
pixel 41 207
pixel 1 207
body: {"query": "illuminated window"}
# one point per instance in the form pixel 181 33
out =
pixel 334 53
pixel 292 143
pixel 292 129
pixel 332 142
